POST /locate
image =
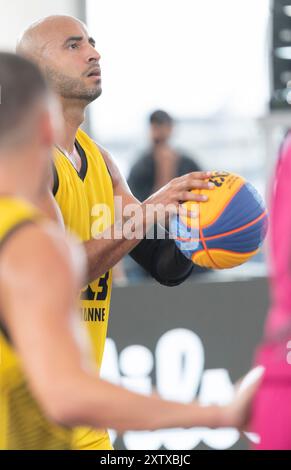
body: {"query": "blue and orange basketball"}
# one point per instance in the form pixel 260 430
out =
pixel 229 228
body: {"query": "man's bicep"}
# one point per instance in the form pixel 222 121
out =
pixel 119 182
pixel 120 186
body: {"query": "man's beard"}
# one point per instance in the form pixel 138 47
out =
pixel 71 88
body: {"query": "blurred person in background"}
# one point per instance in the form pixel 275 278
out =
pixel 158 165
pixel 161 162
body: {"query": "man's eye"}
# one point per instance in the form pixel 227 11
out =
pixel 73 46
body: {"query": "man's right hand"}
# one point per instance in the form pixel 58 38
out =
pixel 178 191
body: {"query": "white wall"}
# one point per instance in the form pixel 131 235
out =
pixel 15 15
pixel 195 60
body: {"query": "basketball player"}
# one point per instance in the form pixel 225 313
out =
pixel 47 382
pixel 85 176
pixel 272 406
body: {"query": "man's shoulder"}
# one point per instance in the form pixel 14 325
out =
pixel 88 142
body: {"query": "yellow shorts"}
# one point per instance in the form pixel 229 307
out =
pixel 91 439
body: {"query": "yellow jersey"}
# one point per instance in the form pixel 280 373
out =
pixel 85 198
pixel 23 425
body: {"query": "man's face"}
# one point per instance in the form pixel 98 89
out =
pixel 160 133
pixel 70 61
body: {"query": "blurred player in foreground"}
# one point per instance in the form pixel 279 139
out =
pixel 272 405
pixel 47 379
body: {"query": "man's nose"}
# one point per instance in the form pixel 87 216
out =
pixel 93 55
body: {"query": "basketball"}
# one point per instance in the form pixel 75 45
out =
pixel 228 229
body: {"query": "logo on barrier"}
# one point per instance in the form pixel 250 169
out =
pixel 178 365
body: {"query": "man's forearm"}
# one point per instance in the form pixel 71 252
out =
pixel 105 250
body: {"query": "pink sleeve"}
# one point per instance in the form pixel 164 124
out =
pixel 280 233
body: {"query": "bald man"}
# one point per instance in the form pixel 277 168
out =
pixel 86 182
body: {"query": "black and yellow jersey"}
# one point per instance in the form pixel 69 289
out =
pixel 85 198
pixel 23 425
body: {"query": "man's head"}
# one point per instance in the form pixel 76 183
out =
pixel 66 54
pixel 26 131
pixel 161 127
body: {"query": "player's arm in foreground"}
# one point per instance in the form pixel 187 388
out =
pixel 160 257
pixel 38 293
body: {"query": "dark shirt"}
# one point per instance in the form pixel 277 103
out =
pixel 142 175
pixel 141 182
